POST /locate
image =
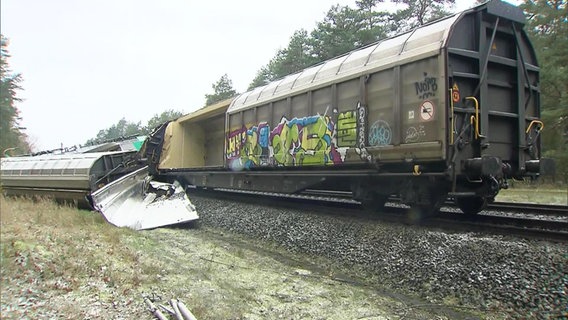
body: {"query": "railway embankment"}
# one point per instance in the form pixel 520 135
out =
pixel 253 261
pixel 520 277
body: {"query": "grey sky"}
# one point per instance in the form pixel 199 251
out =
pixel 86 64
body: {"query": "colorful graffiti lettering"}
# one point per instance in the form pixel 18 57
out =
pixel 304 141
pixel 347 129
pixel 235 141
pixel 283 138
pixel 248 147
pixel 312 140
pixel 316 145
pixel 427 87
pixel 299 141
pixel 380 134
pixel 255 148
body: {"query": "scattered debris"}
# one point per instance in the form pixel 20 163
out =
pixel 166 309
pixel 177 313
pixel 187 315
pixel 157 313
pixel 179 310
pixel 137 202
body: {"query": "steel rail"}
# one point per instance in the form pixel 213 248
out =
pixel 542 209
pixel 545 209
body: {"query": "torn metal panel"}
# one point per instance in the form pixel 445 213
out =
pixel 136 202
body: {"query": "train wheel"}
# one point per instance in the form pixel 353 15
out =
pixel 471 205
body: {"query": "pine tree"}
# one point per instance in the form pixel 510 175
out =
pixel 548 29
pixel 222 89
pixel 12 138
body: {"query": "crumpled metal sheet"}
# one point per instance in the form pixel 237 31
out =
pixel 137 202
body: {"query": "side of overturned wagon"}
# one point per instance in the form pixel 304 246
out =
pixel 114 182
pixel 69 177
pixel 451 108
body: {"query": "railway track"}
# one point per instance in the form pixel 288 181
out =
pixel 535 209
pixel 504 224
pixel 543 209
pixel 520 220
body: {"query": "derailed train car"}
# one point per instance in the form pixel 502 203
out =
pixel 66 177
pixel 450 109
pixel 110 178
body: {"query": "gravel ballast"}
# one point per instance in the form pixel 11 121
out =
pixel 525 278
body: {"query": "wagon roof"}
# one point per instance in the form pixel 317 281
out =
pixel 420 43
pixel 60 161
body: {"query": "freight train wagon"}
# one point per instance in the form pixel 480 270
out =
pixel 450 109
pixel 66 177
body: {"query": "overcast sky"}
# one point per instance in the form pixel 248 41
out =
pixel 86 64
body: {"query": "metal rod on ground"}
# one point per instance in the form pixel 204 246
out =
pixel 177 313
pixel 157 313
pixel 185 311
pixel 166 309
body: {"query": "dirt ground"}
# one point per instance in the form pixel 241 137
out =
pixel 217 275
pixel 222 276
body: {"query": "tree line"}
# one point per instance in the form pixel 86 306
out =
pixel 548 30
pixel 124 128
pixel 13 139
pixel 344 29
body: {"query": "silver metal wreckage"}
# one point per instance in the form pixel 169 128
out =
pixel 138 202
pixel 112 180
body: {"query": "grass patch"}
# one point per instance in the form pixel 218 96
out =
pixel 49 251
pixel 534 193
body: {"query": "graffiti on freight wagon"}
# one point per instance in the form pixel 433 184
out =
pixel 426 88
pixel 249 145
pixel 347 129
pixel 380 134
pixel 304 141
pixel 311 140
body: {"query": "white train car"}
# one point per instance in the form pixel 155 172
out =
pixel 68 177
